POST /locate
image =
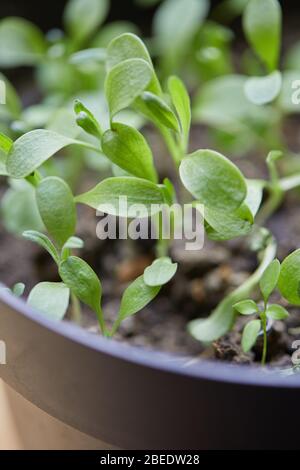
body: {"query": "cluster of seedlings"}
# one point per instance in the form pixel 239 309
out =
pixel 234 206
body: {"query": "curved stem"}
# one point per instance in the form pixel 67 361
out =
pixel 265 345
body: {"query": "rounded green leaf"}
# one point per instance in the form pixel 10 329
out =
pixel 124 197
pixel 289 280
pixel 250 334
pixel 160 272
pixel 269 279
pixel 277 312
pixel 50 299
pixel 263 90
pixel 57 208
pixel 246 307
pixel 213 180
pixel 21 43
pixel 83 17
pixel 31 150
pixel 83 281
pixel 262 25
pixel 125 82
pixel 127 148
pixel 126 46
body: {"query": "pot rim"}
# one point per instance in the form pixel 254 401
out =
pixel 166 362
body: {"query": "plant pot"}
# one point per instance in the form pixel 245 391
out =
pixel 131 398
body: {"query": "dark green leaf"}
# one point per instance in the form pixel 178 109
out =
pixel 127 148
pixel 161 112
pixel 136 297
pixel 82 281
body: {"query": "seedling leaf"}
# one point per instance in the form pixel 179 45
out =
pixel 125 82
pixel 246 307
pixel 250 334
pixel 289 280
pixel 127 148
pixel 83 17
pixel 5 143
pixel 269 279
pixel 42 240
pixel 160 272
pixel 136 297
pixel 57 208
pixel 18 289
pixel 262 25
pixel 213 180
pixel 105 197
pixel 160 111
pixel 277 312
pixel 50 299
pixel 82 281
pixel 182 103
pixel 263 90
pixel 31 150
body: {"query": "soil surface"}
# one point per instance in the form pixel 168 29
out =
pixel 202 280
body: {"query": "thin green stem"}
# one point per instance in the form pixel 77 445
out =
pixel 263 317
pixel 34 179
pixel 75 309
pixel 100 316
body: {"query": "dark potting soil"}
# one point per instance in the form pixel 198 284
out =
pixel 203 279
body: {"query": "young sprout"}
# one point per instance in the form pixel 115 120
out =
pixel 268 284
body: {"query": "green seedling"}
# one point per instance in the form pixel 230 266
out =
pixel 268 284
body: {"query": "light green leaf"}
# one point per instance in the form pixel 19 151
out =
pixel 42 240
pixel 73 243
pixel 182 103
pixel 127 148
pixel 129 46
pixel 254 195
pixel 262 26
pixel 214 180
pixel 250 334
pixel 269 279
pixel 161 112
pixel 83 17
pixel 263 90
pixel 111 31
pixel 86 120
pixel 13 106
pixel 5 143
pixel 289 280
pixel 88 56
pixel 136 297
pixel 83 282
pixel 18 289
pixel 222 226
pixel 50 299
pixel 19 210
pixel 125 82
pixel 141 196
pixel 246 307
pixel 21 43
pixel 62 121
pixel 124 47
pixel 31 150
pixel 176 22
pixel 277 312
pixel 57 208
pixel 222 103
pixel 160 272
